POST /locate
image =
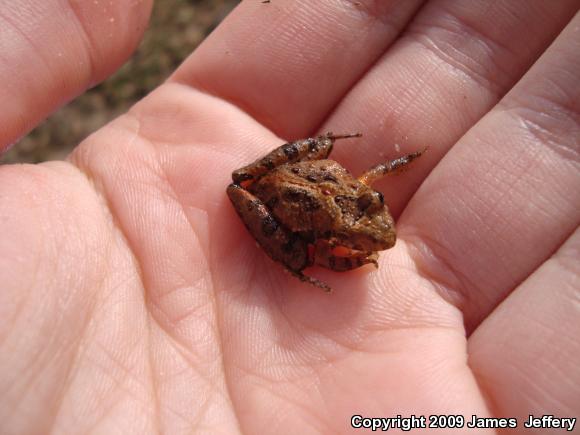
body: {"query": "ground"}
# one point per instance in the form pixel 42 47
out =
pixel 176 28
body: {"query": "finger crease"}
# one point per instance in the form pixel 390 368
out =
pixel 485 71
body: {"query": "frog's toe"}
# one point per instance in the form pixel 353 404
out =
pixel 374 259
pixel 313 281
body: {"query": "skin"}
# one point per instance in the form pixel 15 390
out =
pixel 133 300
pixel 299 208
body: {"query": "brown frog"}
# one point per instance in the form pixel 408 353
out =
pixel 304 209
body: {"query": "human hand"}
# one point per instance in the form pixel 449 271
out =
pixel 133 300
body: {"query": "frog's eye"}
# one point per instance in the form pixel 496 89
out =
pixel 364 201
pixel 370 202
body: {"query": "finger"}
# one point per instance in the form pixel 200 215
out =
pixel 53 50
pixel 525 354
pixel 452 64
pixel 506 196
pixel 287 63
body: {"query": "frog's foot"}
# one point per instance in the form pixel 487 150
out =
pixel 313 281
pixel 341 259
pixel 392 167
pixel 350 262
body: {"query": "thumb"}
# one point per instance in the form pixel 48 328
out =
pixel 52 50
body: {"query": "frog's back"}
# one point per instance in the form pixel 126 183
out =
pixel 302 195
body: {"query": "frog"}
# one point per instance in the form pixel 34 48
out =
pixel 304 209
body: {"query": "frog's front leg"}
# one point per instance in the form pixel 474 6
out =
pixel 279 243
pixel 304 149
pixel 328 255
pixel 393 166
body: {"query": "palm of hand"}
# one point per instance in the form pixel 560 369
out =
pixel 147 305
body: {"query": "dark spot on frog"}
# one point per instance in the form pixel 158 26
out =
pixel 252 205
pixel 295 170
pixel 329 177
pixel 269 225
pixel 290 150
pixel 332 261
pixel 307 236
pixel 289 245
pixel 268 164
pixel 272 202
pixel 308 202
pixel 312 145
pixel 244 176
pixel 318 176
pixel 381 197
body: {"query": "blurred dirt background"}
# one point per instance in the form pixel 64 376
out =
pixel 175 29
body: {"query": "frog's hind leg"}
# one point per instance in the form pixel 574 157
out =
pixel 304 149
pixel 391 167
pixel 279 243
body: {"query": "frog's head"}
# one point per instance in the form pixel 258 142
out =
pixel 367 224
